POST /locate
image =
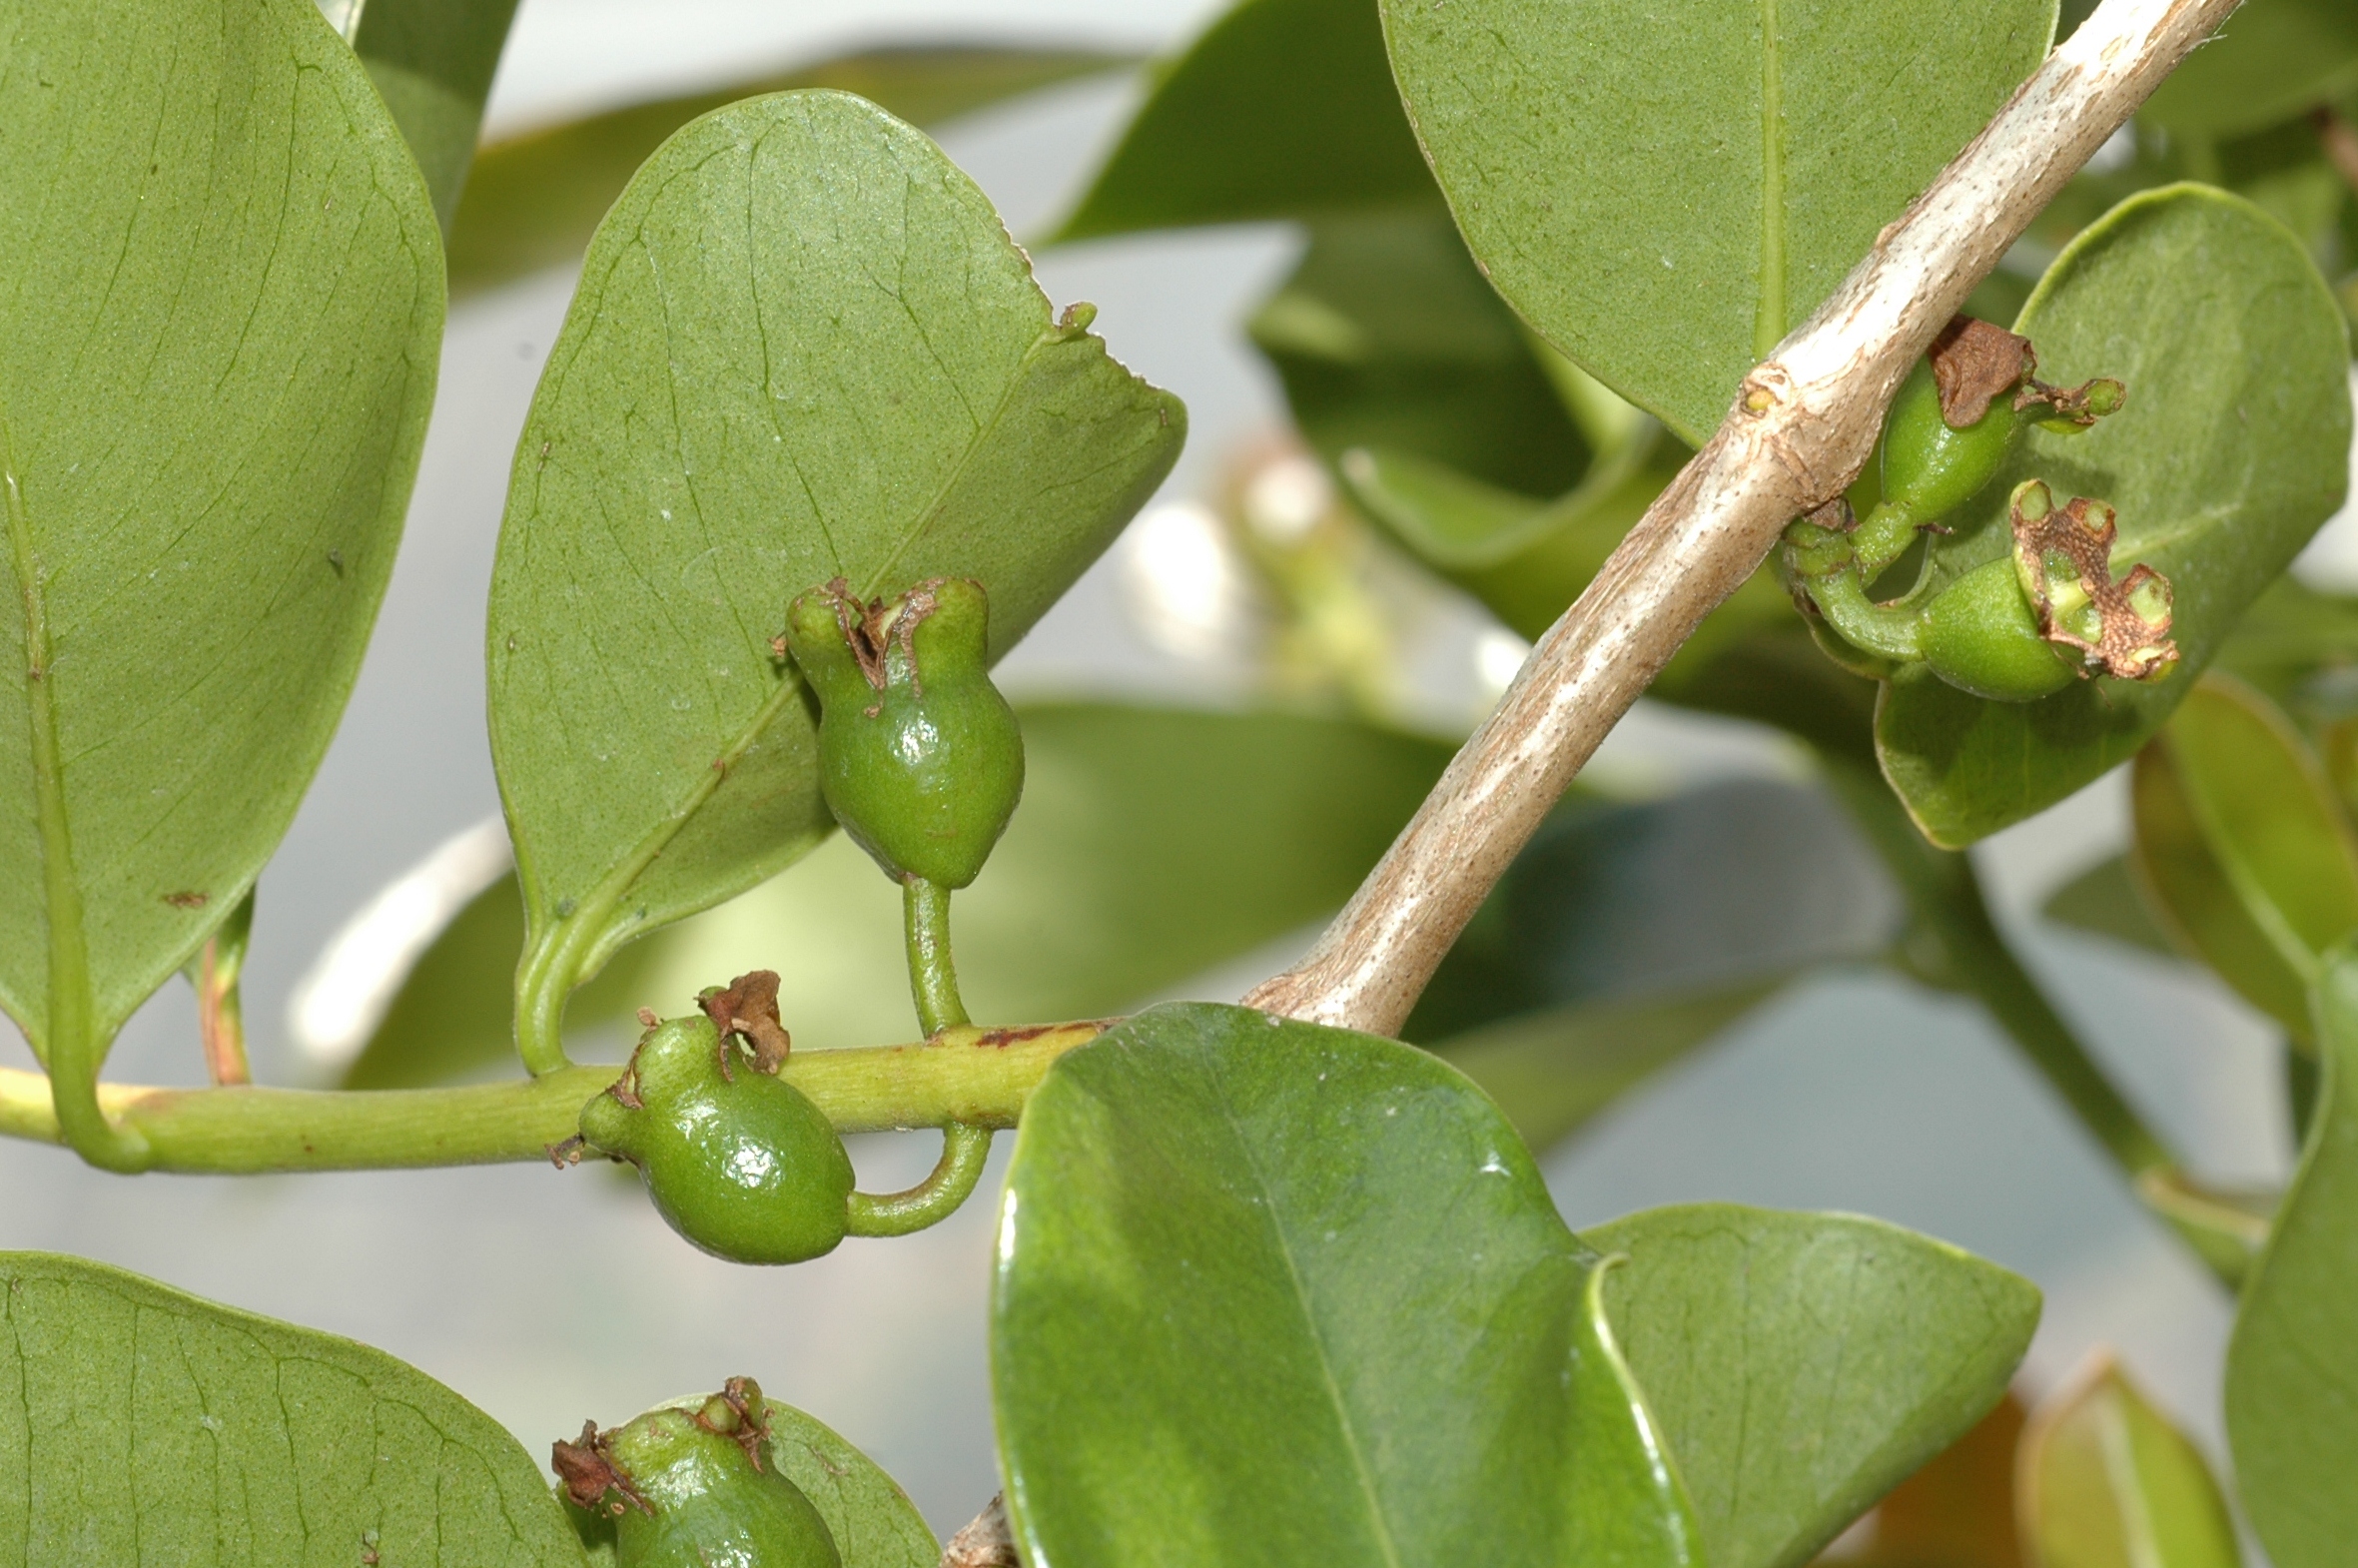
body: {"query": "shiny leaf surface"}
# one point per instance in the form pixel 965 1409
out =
pixel 147 1427
pixel 1665 195
pixel 1271 1293
pixel 2292 1363
pixel 1802 1364
pixel 803 348
pixel 2233 448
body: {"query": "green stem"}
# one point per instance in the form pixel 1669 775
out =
pixel 1945 895
pixel 933 979
pixel 932 984
pixel 1840 597
pixel 974 1077
pixel 965 1149
pixel 72 1049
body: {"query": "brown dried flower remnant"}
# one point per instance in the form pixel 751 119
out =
pixel 1973 362
pixel 739 1413
pixel 2063 556
pixel 588 1473
pixel 748 1007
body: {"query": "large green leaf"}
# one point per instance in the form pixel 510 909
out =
pixel 803 348
pixel 2235 447
pixel 433 61
pixel 1151 845
pixel 1388 337
pixel 218 343
pixel 1270 1292
pixel 1729 884
pixel 872 1520
pixel 146 1427
pixel 2292 1364
pixel 1802 1364
pixel 534 200
pixel 1280 109
pixel 1665 194
pixel 2107 1482
pixel 2273 59
pixel 2269 819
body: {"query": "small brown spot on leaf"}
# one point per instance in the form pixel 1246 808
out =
pixel 187 900
pixel 1973 362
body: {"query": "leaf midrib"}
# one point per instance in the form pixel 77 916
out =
pixel 1379 1526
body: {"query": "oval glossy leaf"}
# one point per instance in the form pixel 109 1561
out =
pixel 1802 1364
pixel 1388 337
pixel 873 1522
pixel 218 347
pixel 147 1427
pixel 2292 1363
pixel 2233 448
pixel 1271 1293
pixel 534 200
pixel 1665 195
pixel 2105 1481
pixel 1280 109
pixel 1731 883
pixel 2273 60
pixel 803 348
pixel 433 62
pixel 2196 902
pixel 2269 818
pixel 1153 844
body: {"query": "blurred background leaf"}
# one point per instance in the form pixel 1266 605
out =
pixel 433 62
pixel 2105 1481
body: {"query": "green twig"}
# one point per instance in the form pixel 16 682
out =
pixel 977 1076
pixel 965 1149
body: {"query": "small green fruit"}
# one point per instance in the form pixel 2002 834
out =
pixel 738 1161
pixel 1981 635
pixel 1931 467
pixel 920 757
pixel 692 1488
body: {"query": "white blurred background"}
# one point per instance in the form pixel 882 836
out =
pixel 548 1296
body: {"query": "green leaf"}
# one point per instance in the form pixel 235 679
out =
pixel 1386 335
pixel 534 199
pixel 2235 447
pixel 2195 901
pixel 2107 1482
pixel 148 1427
pixel 1271 1293
pixel 1153 844
pixel 433 61
pixel 2292 1363
pixel 2104 899
pixel 873 1522
pixel 1552 1068
pixel 2274 60
pixel 1802 1364
pixel 1727 883
pixel 803 348
pixel 2269 818
pixel 217 355
pixel 1280 109
pixel 1664 201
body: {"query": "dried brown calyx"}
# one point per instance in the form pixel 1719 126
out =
pixel 1975 361
pixel 747 1008
pixel 740 1414
pixel 2063 557
pixel 871 630
pixel 586 1467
